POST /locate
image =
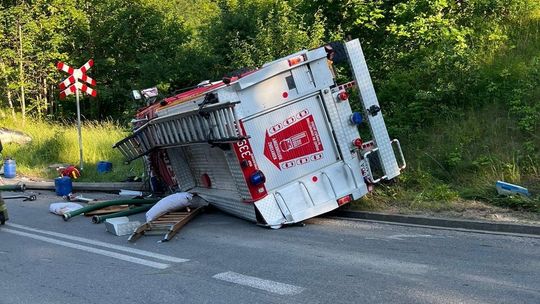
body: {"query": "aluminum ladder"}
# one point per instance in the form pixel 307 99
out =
pixel 372 111
pixel 215 124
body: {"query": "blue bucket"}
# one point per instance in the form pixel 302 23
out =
pixel 63 186
pixel 104 166
pixel 10 168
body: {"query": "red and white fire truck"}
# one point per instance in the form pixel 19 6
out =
pixel 276 145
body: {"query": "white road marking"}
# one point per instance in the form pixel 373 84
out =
pixel 111 254
pixel 402 236
pixel 267 285
pixel 102 244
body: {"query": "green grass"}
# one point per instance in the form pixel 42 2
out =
pixel 456 161
pixel 54 143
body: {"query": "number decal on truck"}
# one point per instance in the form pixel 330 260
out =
pixel 244 153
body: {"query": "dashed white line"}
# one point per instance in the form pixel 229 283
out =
pixel 267 285
pixel 90 249
pixel 102 244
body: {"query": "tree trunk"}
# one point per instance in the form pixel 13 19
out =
pixel 8 91
pixel 21 75
pixel 46 96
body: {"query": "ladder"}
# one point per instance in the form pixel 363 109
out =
pixel 212 124
pixel 169 223
pixel 372 110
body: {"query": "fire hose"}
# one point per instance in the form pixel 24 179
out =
pixel 101 205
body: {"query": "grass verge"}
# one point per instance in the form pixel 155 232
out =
pixel 57 143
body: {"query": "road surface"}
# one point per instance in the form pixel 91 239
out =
pixel 221 259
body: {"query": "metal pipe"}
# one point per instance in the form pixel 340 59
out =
pixel 17 187
pixel 96 219
pixel 101 205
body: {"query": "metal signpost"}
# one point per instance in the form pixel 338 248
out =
pixel 71 85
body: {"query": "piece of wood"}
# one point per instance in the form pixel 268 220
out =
pixel 107 210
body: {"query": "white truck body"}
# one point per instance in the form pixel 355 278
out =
pixel 276 146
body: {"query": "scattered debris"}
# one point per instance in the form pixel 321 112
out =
pixel 70 171
pixel 104 167
pixel 72 198
pixel 19 187
pixel 10 168
pixel 64 208
pixel 169 223
pixel 169 203
pixel 63 185
pixel 121 225
pixel 107 210
pixel 124 192
pixel 27 197
pixel 96 219
pixel 504 188
pixel 101 205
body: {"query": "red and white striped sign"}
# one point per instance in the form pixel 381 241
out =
pixel 81 86
pixel 71 84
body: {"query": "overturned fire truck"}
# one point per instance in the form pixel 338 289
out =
pixel 276 145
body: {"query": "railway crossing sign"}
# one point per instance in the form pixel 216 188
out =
pixel 72 85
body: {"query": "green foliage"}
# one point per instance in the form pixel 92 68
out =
pixel 282 31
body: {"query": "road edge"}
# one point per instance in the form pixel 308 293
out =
pixel 439 222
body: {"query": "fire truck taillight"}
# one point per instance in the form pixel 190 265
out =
pixel 358 143
pixel 296 60
pixel 356 118
pixel 344 200
pixel 257 178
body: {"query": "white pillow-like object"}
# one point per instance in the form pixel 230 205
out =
pixel 61 208
pixel 170 203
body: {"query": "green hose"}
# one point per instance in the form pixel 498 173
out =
pixel 96 219
pixel 101 205
pixel 17 187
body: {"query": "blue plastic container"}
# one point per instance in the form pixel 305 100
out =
pixel 104 166
pixel 63 185
pixel 10 168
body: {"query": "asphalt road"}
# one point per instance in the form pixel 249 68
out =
pixel 221 259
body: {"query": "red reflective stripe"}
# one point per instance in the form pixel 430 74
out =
pixel 64 84
pixel 64 67
pixel 87 65
pixel 86 89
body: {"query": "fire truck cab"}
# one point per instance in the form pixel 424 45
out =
pixel 277 145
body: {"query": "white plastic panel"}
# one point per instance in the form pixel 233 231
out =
pixel 303 79
pixel 265 95
pixel 291 141
pixel 322 74
pixel 368 99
